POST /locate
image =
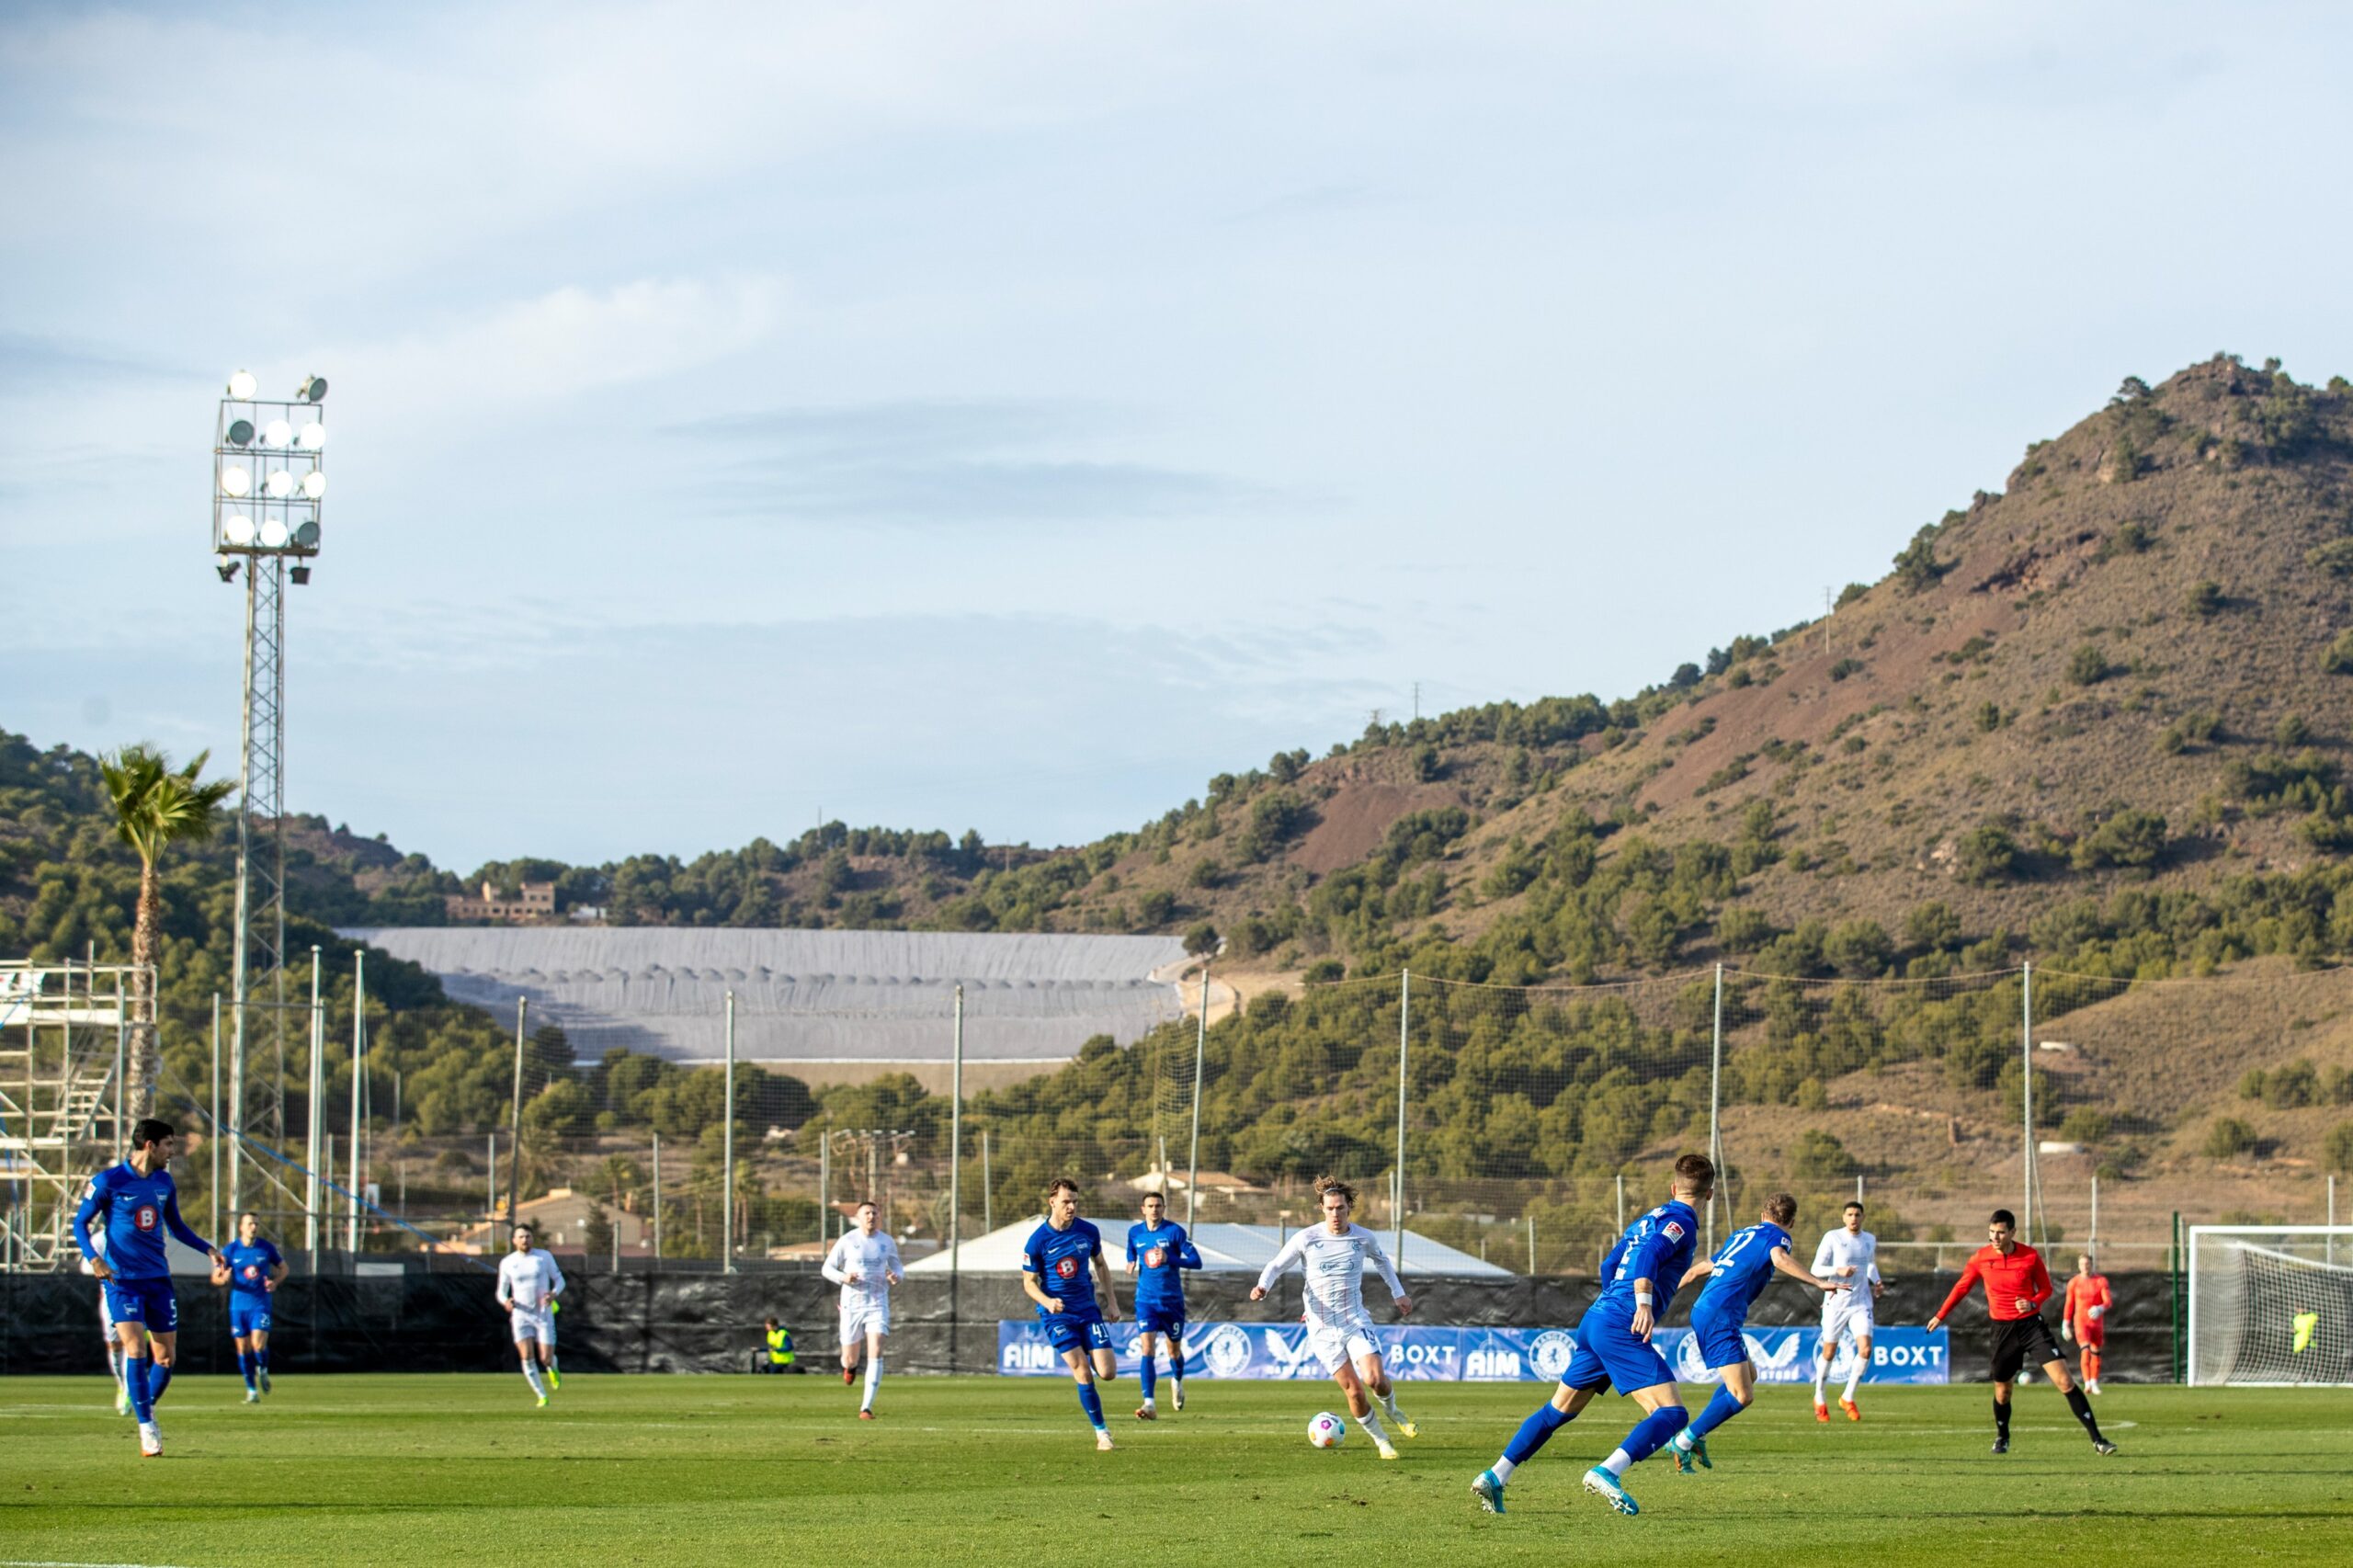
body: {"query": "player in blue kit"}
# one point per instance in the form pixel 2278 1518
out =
pixel 137 1202
pixel 254 1271
pixel 1054 1272
pixel 1157 1249
pixel 1614 1346
pixel 1735 1277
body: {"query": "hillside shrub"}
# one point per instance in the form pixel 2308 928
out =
pixel 1987 854
pixel 2228 1138
pixel 1859 950
pixel 2130 840
pixel 1201 938
pixel 2085 1125
pixel 2336 1149
pixel 1932 928
pixel 2087 665
pixel 1818 1157
pixel 2206 600
pixel 1740 929
pixel 1989 717
pixel 2338 659
pixel 2335 558
pixel 1846 667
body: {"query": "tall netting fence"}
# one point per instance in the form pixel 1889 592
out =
pixel 1518 1128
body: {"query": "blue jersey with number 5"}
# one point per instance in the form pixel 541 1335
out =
pixel 1744 1268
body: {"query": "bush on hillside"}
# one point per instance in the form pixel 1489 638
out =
pixel 1986 854
pixel 2336 1149
pixel 2228 1138
pixel 2338 659
pixel 2130 840
pixel 2087 665
pixel 1818 1157
pixel 2085 1125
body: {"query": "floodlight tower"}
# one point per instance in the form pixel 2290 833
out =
pixel 268 479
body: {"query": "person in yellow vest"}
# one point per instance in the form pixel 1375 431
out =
pixel 780 1351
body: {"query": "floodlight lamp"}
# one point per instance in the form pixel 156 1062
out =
pixel 279 434
pixel 314 437
pixel 240 432
pixel 235 482
pixel 307 536
pixel 301 575
pixel 237 530
pixel 280 484
pixel 312 390
pixel 314 484
pixel 242 386
pixel 272 533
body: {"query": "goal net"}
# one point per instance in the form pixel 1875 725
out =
pixel 2270 1304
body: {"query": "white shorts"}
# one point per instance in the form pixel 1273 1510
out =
pixel 1846 1314
pixel 1343 1340
pixel 532 1323
pixel 859 1318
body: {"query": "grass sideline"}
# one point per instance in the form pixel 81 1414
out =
pixel 691 1469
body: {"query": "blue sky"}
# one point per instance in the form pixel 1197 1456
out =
pixel 1008 417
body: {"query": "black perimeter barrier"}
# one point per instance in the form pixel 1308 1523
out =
pixel 676 1320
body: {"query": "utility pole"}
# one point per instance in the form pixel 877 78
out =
pixel 1417 702
pixel 515 1125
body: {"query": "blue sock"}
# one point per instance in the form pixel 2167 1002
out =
pixel 261 1359
pixel 159 1378
pixel 1655 1429
pixel 1091 1402
pixel 1534 1433
pixel 134 1378
pixel 1149 1377
pixel 1177 1364
pixel 1720 1409
pixel 246 1370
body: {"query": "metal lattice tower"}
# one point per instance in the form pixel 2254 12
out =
pixel 259 965
pixel 269 477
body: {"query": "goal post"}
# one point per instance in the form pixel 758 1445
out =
pixel 2271 1305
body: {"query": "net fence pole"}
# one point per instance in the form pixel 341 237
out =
pixel 214 1133
pixel 310 1116
pixel 515 1123
pixel 657 1199
pixel 2026 1096
pixel 2331 1247
pixel 1715 1106
pixel 955 1175
pixel 1397 1206
pixel 988 1190
pixel 358 1071
pixel 1193 1160
pixel 727 1151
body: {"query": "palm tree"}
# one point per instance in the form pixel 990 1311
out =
pixel 154 808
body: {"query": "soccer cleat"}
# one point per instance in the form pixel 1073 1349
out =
pixel 1146 1413
pixel 1102 1441
pixel 151 1440
pixel 555 1379
pixel 263 1373
pixel 1387 1451
pixel 1695 1455
pixel 1180 1396
pixel 543 1402
pixel 1821 1412
pixel 2001 1445
pixel 122 1400
pixel 2092 1387
pixel 2103 1447
pixel 1603 1484
pixel 1489 1491
pixel 848 1377
pixel 1406 1428
pixel 1853 1413
pixel 252 1397
pixel 866 1415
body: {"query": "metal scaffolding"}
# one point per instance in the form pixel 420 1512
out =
pixel 64 1030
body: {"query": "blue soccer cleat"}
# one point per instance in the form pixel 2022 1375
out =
pixel 1604 1485
pixel 1696 1456
pixel 1489 1491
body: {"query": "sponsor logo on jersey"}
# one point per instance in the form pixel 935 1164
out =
pixel 1155 1257
pixel 253 1271
pixel 1674 1229
pixel 1066 1267
pixel 1551 1351
pixel 144 1217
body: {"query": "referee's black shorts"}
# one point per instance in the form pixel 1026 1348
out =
pixel 2022 1342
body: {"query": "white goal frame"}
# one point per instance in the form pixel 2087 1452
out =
pixel 2335 1243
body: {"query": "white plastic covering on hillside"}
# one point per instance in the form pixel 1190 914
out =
pixel 804 995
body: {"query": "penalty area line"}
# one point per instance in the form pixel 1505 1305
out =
pixel 44 1563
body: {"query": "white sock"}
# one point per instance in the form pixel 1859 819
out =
pixel 531 1376
pixel 1821 1377
pixel 1681 1442
pixel 873 1376
pixel 1503 1468
pixel 1853 1377
pixel 1389 1403
pixel 1149 1403
pixel 114 1362
pixel 1619 1462
pixel 1371 1423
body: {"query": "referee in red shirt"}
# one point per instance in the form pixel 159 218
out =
pixel 2017 1284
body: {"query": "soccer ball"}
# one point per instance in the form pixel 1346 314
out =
pixel 1325 1430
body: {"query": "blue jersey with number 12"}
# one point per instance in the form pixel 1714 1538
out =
pixel 1744 1268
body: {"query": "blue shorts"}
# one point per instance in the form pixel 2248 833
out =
pixel 1169 1321
pixel 1077 1331
pixel 1721 1342
pixel 1607 1352
pixel 247 1315
pixel 148 1302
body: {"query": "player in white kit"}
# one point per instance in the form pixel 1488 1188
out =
pixel 1332 1255
pixel 864 1263
pixel 528 1283
pixel 1848 1256
pixel 106 1324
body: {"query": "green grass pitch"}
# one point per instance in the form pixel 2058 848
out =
pixel 679 1470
